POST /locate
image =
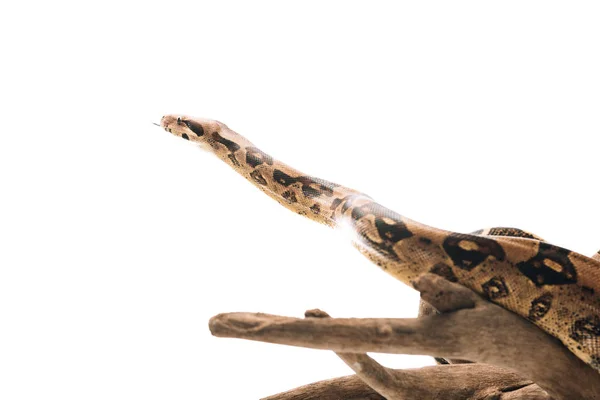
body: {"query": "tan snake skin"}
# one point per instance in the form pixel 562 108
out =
pixel 556 289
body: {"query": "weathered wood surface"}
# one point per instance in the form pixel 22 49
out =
pixel 515 359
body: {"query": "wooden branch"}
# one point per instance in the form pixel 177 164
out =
pixel 448 382
pixel 426 309
pixel 344 388
pixel 470 329
pixel 379 378
pixel 479 381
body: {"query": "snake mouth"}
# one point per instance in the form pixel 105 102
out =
pixel 178 126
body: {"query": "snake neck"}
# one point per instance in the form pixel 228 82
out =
pixel 311 197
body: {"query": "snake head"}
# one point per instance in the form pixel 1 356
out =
pixel 190 128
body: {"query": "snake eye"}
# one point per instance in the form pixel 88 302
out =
pixel 178 120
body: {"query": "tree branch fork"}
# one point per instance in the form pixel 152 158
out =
pixel 513 358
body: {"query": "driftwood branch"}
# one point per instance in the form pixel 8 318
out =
pixel 479 381
pixel 379 378
pixel 469 328
pixel 448 382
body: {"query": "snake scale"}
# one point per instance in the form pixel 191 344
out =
pixel 556 289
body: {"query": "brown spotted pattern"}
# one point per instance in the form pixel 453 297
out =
pixel 230 145
pixel 311 187
pixel 255 157
pixel 550 266
pixel 540 307
pixel 514 232
pixel 194 126
pixel 587 328
pixel 554 288
pixel 468 251
pixel 289 196
pixel 495 288
pixel 389 227
pixel 445 271
pixel 258 178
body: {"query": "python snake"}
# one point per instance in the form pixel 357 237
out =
pixel 556 289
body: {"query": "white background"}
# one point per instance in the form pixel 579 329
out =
pixel 119 241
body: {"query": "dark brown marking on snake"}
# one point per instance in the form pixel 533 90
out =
pixel 311 187
pixel 310 191
pixel 358 213
pixel 514 232
pixel 550 266
pixel 468 251
pixel 393 232
pixel 585 328
pixel 258 178
pixel 315 208
pixel 231 146
pixel 540 307
pixel 282 178
pixel 390 233
pixel 290 196
pixel 255 157
pixel 425 241
pixel 233 160
pixel 346 202
pixel 595 362
pixel 445 271
pixel 315 187
pixel 495 288
pixel 588 290
pixel 194 127
pixel 335 203
pixel 185 136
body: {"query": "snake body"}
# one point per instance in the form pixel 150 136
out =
pixel 556 289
